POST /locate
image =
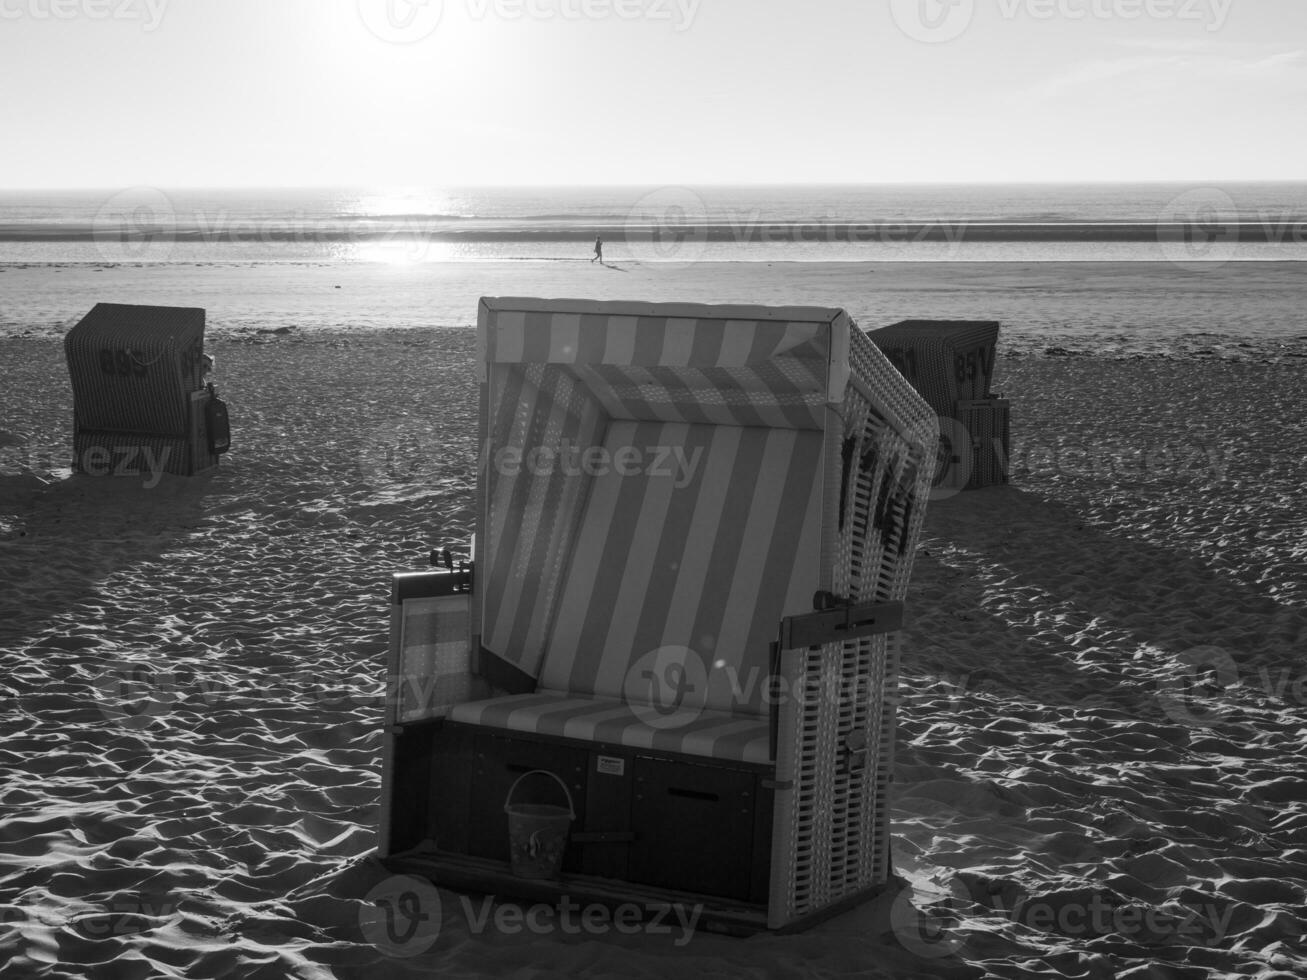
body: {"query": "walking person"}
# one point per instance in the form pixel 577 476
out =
pixel 599 250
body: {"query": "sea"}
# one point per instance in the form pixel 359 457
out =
pixel 1188 222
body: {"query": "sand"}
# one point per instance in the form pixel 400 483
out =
pixel 1103 716
pixel 1226 309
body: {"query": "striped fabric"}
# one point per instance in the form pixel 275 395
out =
pixel 133 368
pixel 705 560
pixel 789 392
pixel 704 733
pixel 534 504
pixel 534 331
pixel 727 365
pixel 560 376
pixel 944 360
pixel 430 654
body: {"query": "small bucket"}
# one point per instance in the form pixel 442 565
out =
pixel 537 832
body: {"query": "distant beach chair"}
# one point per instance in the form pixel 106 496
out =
pixel 695 526
pixel 139 393
pixel 951 363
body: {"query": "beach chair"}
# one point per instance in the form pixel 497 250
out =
pixel 139 397
pixel 675 642
pixel 951 363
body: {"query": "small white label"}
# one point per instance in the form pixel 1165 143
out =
pixel 611 765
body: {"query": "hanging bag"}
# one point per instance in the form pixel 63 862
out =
pixel 216 423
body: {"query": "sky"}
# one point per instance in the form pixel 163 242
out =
pixel 278 93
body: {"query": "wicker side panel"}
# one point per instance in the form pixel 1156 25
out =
pixel 987 423
pixel 135 454
pixel 906 429
pixel 832 834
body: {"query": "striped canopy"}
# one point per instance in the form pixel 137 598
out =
pixel 652 478
pixel 683 363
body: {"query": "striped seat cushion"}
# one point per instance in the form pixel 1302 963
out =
pixel 690 731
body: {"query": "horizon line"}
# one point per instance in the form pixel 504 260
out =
pixel 116 188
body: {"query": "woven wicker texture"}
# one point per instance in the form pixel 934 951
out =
pixel 133 367
pixel 832 837
pixel 432 655
pixel 987 423
pixel 945 360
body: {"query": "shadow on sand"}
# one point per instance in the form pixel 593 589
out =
pixel 68 538
pixel 1101 615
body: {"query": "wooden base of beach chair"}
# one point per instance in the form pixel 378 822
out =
pixel 663 906
pixel 667 908
pixel 110 453
pixel 986 422
pixel 645 818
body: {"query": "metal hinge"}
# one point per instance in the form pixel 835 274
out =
pixel 848 622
